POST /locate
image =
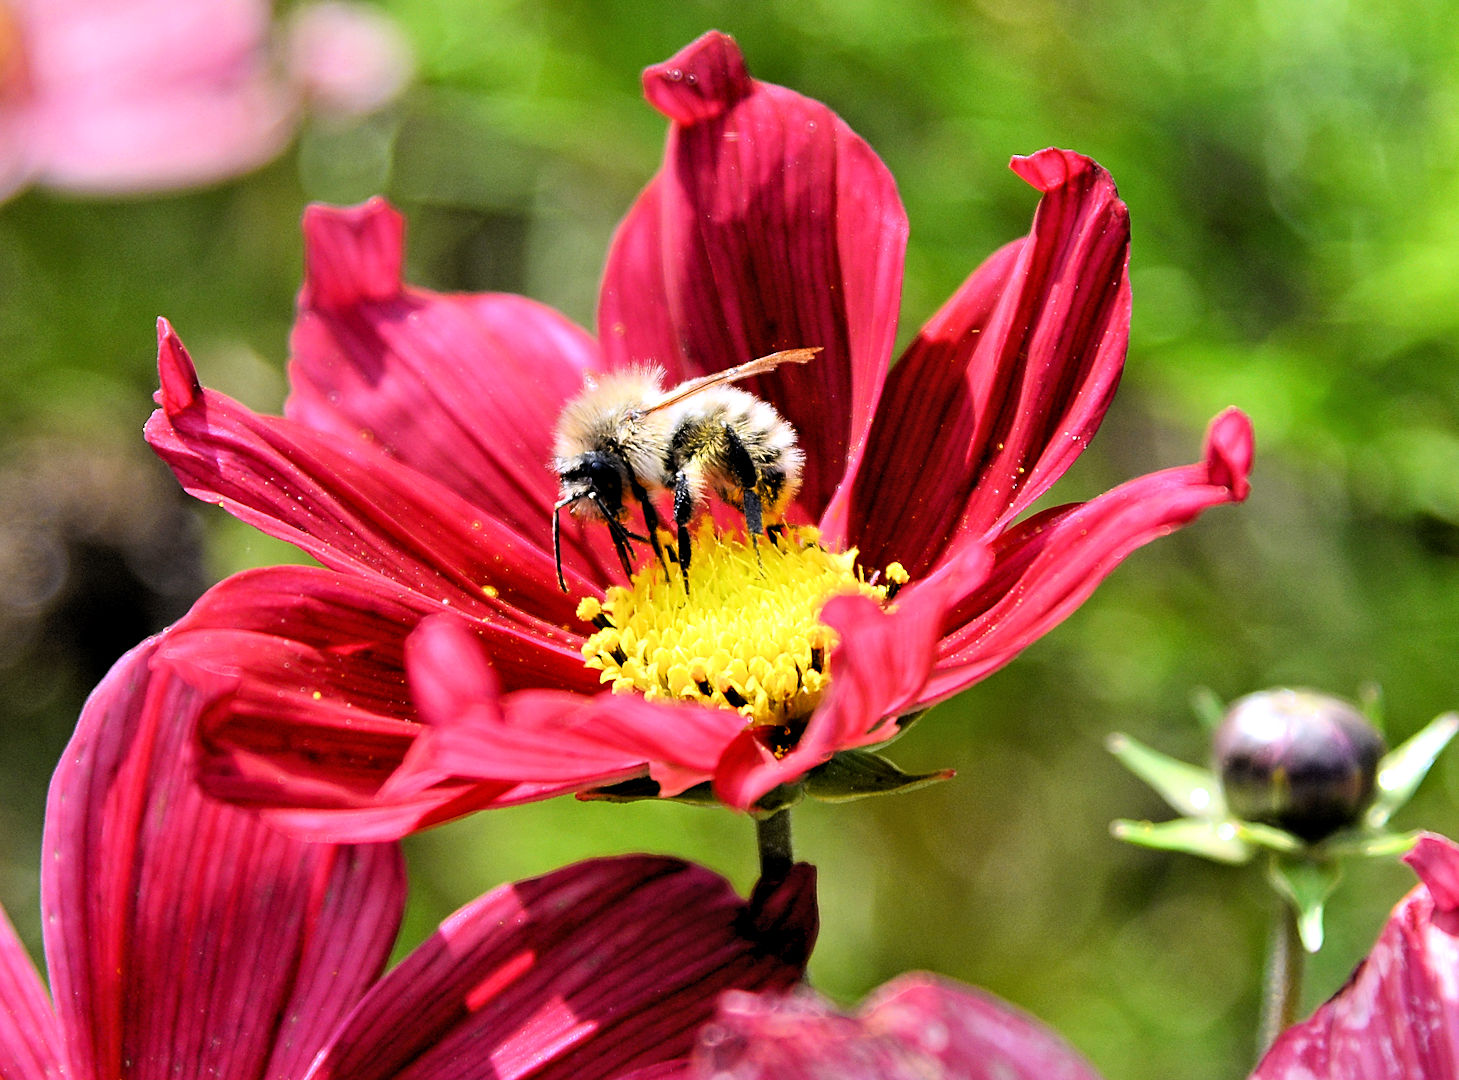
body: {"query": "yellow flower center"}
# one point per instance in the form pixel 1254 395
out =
pixel 745 635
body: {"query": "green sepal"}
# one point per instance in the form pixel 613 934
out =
pixel 1189 789
pixel 641 787
pixel 1369 845
pixel 1306 885
pixel 1404 768
pixel 1210 710
pixel 859 774
pixel 1218 840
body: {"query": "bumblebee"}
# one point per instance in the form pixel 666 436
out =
pixel 625 439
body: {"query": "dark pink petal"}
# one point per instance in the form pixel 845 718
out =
pixel 1046 566
pixel 1005 386
pixel 466 389
pixel 307 710
pixel 1398 1015
pixel 879 669
pixel 187 939
pixel 350 506
pixel 30 1038
pixel 771 226
pixel 544 736
pixel 917 1027
pixel 595 970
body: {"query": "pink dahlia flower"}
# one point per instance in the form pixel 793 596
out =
pixel 432 666
pixel 186 939
pixel 916 1027
pixel 1398 1015
pixel 116 96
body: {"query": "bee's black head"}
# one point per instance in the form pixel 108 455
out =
pixel 597 477
pixel 594 479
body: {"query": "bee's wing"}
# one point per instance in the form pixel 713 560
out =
pixel 729 375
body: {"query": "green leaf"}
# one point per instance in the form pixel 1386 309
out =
pixel 1404 768
pixel 1269 837
pixel 1306 885
pixel 1191 790
pixel 1218 840
pixel 857 774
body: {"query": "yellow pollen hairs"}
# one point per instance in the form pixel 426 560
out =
pixel 747 637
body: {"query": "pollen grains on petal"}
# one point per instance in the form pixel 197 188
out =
pixel 746 635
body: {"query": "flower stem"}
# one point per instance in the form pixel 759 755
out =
pixel 1282 986
pixel 773 835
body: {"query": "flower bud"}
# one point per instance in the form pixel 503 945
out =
pixel 1302 761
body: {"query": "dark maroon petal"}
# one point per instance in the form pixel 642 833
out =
pixel 1046 566
pixel 1398 1016
pixel 917 1027
pixel 878 669
pixel 1003 389
pixel 307 707
pixel 593 971
pixel 350 506
pixel 771 226
pixel 465 389
pixel 186 938
pixel 30 1038
pixel 545 736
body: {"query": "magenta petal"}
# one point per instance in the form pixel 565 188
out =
pixel 915 1026
pixel 352 507
pixel 307 707
pixel 1398 1015
pixel 30 1038
pixel 597 969
pixel 1046 566
pixel 465 389
pixel 771 226
pixel 1004 387
pixel 545 736
pixel 182 933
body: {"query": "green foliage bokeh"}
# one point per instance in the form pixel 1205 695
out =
pixel 1290 171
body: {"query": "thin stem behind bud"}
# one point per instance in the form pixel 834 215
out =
pixel 1282 986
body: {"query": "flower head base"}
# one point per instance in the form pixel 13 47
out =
pixel 745 635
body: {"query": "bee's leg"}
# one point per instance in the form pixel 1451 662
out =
pixel 650 520
pixel 742 468
pixel 620 544
pixel 683 514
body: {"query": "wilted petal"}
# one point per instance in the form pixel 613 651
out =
pixel 1398 1016
pixel 771 226
pixel 159 904
pixel 352 507
pixel 465 389
pixel 30 1039
pixel 917 1027
pixel 594 970
pixel 1004 387
pixel 1046 566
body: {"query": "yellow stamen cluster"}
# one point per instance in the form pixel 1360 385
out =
pixel 745 635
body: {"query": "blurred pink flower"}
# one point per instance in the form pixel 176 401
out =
pixel 1398 1016
pixel 187 940
pixel 117 96
pixel 414 464
pixel 916 1027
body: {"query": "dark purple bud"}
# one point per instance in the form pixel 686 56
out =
pixel 1297 759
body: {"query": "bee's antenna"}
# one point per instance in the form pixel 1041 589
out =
pixel 557 509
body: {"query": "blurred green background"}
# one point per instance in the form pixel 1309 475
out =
pixel 1291 173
